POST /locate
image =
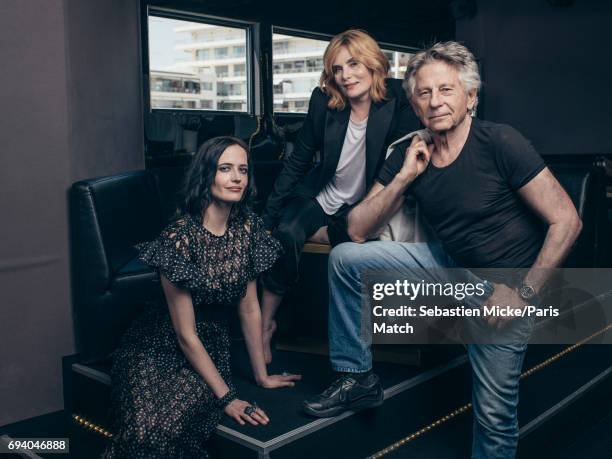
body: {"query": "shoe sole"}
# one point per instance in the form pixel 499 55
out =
pixel 358 404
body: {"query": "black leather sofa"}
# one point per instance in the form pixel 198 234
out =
pixel 109 215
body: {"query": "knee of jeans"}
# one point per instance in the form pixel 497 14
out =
pixel 496 431
pixel 344 256
pixel 496 416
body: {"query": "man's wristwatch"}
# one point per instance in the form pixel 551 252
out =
pixel 527 292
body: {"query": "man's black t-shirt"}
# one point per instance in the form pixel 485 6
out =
pixel 473 205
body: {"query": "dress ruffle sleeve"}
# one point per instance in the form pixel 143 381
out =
pixel 171 254
pixel 264 250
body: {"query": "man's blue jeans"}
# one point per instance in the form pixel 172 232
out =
pixel 495 368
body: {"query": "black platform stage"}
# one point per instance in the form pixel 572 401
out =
pixel 565 409
pixel 426 405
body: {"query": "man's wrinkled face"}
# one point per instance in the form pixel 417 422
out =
pixel 439 99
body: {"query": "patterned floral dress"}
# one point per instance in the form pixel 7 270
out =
pixel 161 407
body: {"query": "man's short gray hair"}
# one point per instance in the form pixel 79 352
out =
pixel 452 53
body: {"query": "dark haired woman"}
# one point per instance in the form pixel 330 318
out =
pixel 171 374
pixel 352 118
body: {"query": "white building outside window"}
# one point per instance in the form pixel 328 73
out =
pixel 205 63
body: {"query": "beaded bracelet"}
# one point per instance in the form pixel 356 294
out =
pixel 226 399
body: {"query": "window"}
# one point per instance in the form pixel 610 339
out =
pixel 239 70
pixel 184 67
pixel 234 106
pixel 174 83
pixel 229 89
pixel 239 51
pixel 397 62
pixel 297 62
pixel 222 89
pixel 222 71
pixel 314 65
pixel 281 47
pixel 220 53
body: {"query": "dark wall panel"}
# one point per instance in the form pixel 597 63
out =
pixel 547 70
pixel 105 95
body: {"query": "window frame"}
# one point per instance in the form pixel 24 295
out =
pixel 167 13
pixel 294 33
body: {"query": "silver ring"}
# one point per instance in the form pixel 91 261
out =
pixel 285 373
pixel 250 409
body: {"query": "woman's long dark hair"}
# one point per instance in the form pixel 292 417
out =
pixel 195 195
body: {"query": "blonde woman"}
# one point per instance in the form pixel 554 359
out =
pixel 354 114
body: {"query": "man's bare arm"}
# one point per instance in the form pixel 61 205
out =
pixel 549 200
pixel 368 219
pixel 545 195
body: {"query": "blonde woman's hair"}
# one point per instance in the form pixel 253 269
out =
pixel 364 49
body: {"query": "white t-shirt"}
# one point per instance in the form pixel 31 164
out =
pixel 348 184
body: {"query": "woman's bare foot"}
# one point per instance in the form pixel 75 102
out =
pixel 267 332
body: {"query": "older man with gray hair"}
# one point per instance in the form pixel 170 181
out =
pixel 491 202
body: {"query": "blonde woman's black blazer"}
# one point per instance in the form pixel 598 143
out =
pixel 324 130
